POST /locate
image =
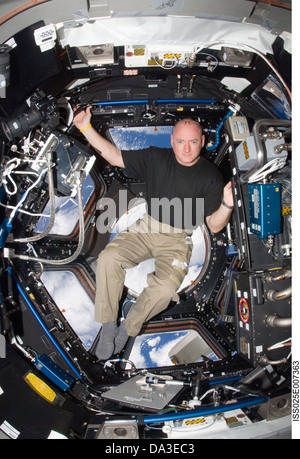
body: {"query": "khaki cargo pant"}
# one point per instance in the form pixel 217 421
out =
pixel 146 238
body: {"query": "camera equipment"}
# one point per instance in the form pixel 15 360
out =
pixel 43 111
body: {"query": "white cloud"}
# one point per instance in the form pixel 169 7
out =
pixel 154 341
pixel 73 302
pixel 160 355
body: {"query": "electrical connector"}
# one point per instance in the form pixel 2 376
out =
pixel 8 253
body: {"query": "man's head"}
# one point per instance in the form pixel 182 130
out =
pixel 187 141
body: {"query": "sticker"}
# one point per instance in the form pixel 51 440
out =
pixel 130 72
pixel 244 310
pixel 45 37
pixel 9 430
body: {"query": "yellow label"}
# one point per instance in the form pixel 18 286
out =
pixel 246 151
pixel 139 52
pixel 195 421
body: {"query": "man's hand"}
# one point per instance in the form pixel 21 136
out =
pixel 83 118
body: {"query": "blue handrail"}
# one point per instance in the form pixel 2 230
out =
pixel 244 403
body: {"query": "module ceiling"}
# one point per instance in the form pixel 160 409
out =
pixel 15 15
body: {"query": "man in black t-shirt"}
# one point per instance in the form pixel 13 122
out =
pixel 194 191
pixel 179 176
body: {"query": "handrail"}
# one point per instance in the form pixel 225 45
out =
pixel 260 150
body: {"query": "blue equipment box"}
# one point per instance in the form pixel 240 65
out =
pixel 56 374
pixel 265 209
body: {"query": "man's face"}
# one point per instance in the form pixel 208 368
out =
pixel 187 140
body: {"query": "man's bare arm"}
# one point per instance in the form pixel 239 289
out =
pixel 106 149
pixel 219 219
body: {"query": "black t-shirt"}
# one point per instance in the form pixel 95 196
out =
pixel 179 185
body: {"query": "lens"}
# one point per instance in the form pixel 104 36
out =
pixel 16 127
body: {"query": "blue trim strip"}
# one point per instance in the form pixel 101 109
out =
pixel 158 101
pixel 122 102
pixel 43 325
pixel 186 101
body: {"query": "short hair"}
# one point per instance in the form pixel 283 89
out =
pixel 188 121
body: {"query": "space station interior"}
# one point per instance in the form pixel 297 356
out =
pixel 217 363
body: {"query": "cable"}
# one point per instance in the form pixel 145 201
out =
pixel 52 207
pixel 108 362
pixel 214 57
pixel 77 252
pixel 10 167
pixel 167 67
pixel 218 130
pixel 260 150
pixel 225 386
pixel 272 166
pixel 26 194
pixel 22 211
pixel 285 343
pixel 12 164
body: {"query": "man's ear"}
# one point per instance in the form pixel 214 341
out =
pixel 172 140
pixel 203 140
